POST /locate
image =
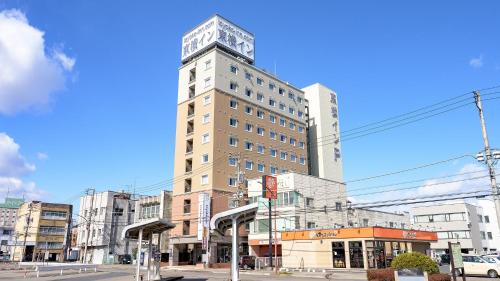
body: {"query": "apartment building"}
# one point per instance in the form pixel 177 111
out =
pixel 43 230
pixel 108 213
pixel 8 214
pixel 159 206
pixel 473 224
pixel 230 114
pixel 307 202
pixel 324 132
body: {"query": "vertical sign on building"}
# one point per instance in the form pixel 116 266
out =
pixel 222 32
pixel 203 218
pixel 269 187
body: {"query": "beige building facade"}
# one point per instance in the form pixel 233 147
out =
pixel 231 116
pixel 44 231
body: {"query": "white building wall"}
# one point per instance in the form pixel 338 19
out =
pixel 489 225
pixel 324 132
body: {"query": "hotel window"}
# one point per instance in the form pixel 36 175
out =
pixel 233 181
pixel 293 141
pixel 300 129
pixel 282 106
pixel 248 75
pixel 281 91
pixel 248 109
pixel 248 145
pixel 299 99
pixel 283 155
pixel 248 165
pixel 282 122
pixel 490 235
pixel 185 227
pixel 205 138
pixel 206 118
pixel 248 127
pixel 234 69
pixel 187 206
pixel 207 100
pixel 233 122
pixel 301 144
pixel 208 64
pixel 204 179
pixel 233 104
pixel 233 86
pixel 302 160
pixel 291 125
pixel 233 141
pixel 272 86
pixel 291 95
pixel 291 110
pixel 260 131
pixel 248 93
pixel 208 82
pixel 273 152
pixel 232 161
pixel 300 114
pixel 204 158
pixel 272 118
pixel 282 138
pixel 260 149
pixel 260 114
pixel 272 102
pixel 486 219
pixel 260 81
pixel 272 134
pixel 261 168
pixel 293 157
pixel 273 170
pixel 260 97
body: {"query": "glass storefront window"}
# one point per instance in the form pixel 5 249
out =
pixel 338 252
pixel 356 254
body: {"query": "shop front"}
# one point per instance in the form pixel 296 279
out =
pixel 362 248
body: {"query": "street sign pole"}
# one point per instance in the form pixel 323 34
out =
pixel 452 262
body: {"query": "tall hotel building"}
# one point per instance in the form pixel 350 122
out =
pixel 230 114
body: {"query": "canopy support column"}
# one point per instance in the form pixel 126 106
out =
pixel 235 250
pixel 138 257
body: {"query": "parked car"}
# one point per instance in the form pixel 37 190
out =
pixel 445 259
pixel 476 265
pixel 492 258
pixel 127 259
pixel 247 262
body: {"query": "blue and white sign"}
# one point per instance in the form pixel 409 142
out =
pixel 218 30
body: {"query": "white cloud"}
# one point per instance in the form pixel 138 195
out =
pixel 12 167
pixel 29 78
pixel 476 62
pixel 42 156
pixel 12 163
pixel 16 187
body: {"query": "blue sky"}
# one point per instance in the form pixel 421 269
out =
pixel 111 122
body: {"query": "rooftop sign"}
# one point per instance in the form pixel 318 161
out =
pixel 220 31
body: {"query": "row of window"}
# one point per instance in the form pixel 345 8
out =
pixel 271 101
pixel 49 245
pixel 52 230
pixel 484 234
pixel 54 214
pixel 272 118
pixel 271 85
pixel 441 217
pixel 453 234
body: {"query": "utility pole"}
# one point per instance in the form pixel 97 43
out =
pixel 240 179
pixel 26 229
pixel 488 156
pixel 88 222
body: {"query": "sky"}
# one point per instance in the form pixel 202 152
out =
pixel 88 89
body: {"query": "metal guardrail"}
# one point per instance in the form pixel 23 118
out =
pixel 263 262
pixel 61 268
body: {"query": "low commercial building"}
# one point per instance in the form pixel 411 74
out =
pixel 43 230
pixel 472 224
pixel 8 214
pixel 364 248
pixel 101 219
pixel 308 202
pixel 159 206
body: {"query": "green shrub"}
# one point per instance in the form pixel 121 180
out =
pixel 385 274
pixel 415 260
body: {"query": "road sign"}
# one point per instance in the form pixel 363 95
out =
pixel 456 251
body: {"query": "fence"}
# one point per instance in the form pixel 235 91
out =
pixel 263 262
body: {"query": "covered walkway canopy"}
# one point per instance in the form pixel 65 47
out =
pixel 233 218
pixel 146 229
